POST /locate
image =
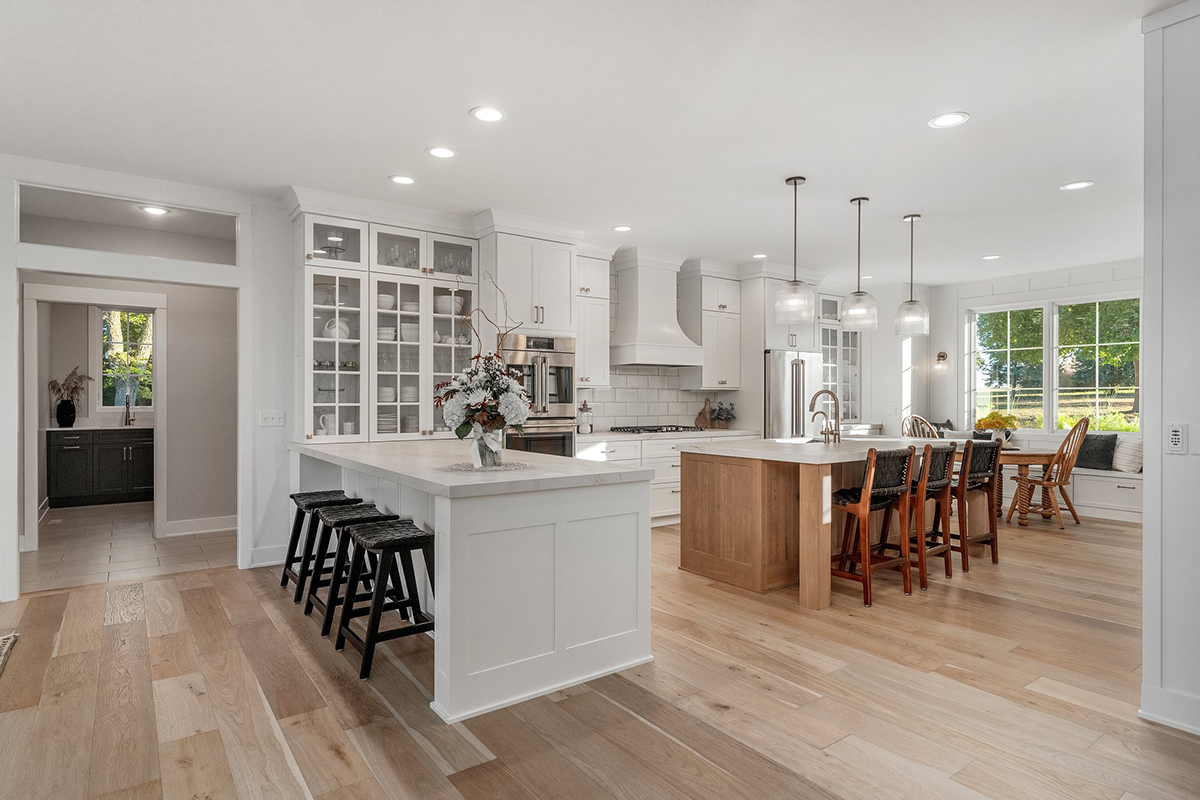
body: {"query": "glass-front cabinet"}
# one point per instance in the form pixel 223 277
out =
pixel 334 242
pixel 419 338
pixel 334 349
pixel 401 251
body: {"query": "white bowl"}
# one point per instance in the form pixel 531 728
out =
pixel 386 334
pixel 386 302
pixel 410 307
pixel 410 332
pixel 447 304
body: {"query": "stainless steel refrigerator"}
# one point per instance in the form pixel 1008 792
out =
pixel 791 377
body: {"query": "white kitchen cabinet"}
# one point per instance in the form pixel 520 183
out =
pixel 720 294
pixel 591 342
pixel 334 242
pixel 403 251
pixel 335 355
pixel 538 280
pixel 593 277
pixel 721 336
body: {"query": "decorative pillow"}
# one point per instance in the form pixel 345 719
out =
pixel 1128 455
pixel 942 427
pixel 949 434
pixel 1097 450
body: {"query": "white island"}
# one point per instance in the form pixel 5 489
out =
pixel 542 575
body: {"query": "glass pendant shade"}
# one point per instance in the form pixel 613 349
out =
pixel 860 312
pixel 912 319
pixel 796 301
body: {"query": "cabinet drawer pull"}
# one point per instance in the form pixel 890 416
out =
pixel 72 438
pixel 1121 486
pixel 607 451
pixel 676 466
pixel 677 491
pixel 72 447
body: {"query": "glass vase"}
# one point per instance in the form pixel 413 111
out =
pixel 486 449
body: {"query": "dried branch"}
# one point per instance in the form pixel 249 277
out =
pixel 502 331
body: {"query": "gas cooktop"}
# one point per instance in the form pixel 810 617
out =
pixel 655 429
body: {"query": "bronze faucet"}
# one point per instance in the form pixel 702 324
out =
pixel 833 433
pixel 128 417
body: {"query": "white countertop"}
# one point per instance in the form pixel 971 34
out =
pixel 815 451
pixel 103 428
pixel 425 466
pixel 613 436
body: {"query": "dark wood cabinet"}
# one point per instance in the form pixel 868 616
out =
pixel 99 466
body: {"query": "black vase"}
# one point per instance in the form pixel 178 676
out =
pixel 65 412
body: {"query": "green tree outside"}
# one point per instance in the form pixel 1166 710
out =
pixel 128 359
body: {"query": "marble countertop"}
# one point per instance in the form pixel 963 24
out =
pixel 425 466
pixel 613 436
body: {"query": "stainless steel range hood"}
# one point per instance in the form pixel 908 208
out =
pixel 648 329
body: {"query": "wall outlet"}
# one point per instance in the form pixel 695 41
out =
pixel 1177 439
pixel 271 419
pixel 891 411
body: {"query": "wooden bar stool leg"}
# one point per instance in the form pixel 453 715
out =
pixel 310 540
pixel 905 565
pixel 962 532
pixel 376 615
pixel 847 532
pixel 992 527
pixel 864 545
pixel 942 516
pixel 319 558
pixel 357 556
pixel 410 584
pixel 293 543
pixel 335 582
pixel 919 514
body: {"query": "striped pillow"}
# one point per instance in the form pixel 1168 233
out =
pixel 1128 455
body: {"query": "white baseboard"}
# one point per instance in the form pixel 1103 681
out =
pixel 1167 707
pixel 1115 514
pixel 185 527
pixel 267 556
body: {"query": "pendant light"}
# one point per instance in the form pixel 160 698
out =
pixel 912 317
pixel 796 301
pixel 859 311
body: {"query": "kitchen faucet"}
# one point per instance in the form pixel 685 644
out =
pixel 128 417
pixel 833 433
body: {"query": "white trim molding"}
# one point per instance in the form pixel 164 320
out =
pixel 186 527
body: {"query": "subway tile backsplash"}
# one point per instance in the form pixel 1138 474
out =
pixel 642 395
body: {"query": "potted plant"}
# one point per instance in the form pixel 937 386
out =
pixel 66 395
pixel 722 416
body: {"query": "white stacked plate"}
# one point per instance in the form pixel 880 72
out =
pixel 408 425
pixel 387 394
pixel 408 394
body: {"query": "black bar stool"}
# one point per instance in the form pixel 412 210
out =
pixel 390 541
pixel 333 521
pixel 306 504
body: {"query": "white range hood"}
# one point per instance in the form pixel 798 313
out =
pixel 648 329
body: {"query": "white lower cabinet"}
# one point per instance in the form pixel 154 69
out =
pixel 665 500
pixel 591 342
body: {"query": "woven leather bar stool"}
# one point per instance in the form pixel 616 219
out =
pixel 979 472
pixel 306 504
pixel 333 520
pixel 933 483
pixel 390 541
pixel 885 487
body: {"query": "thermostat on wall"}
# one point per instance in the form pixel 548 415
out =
pixel 1177 439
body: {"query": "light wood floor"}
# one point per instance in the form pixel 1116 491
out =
pixel 1013 682
pixel 97 544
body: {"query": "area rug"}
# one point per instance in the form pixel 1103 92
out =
pixel 6 646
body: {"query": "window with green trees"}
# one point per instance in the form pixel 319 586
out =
pixel 1099 361
pixel 1093 354
pixel 127 365
pixel 1008 365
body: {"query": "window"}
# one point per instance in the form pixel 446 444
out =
pixel 1098 364
pixel 1053 364
pixel 1008 365
pixel 127 358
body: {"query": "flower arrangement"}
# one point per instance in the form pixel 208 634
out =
pixel 482 401
pixel 997 420
pixel 723 416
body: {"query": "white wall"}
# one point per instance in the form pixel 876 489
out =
pixel 44 374
pixel 199 399
pixel 67 347
pixel 950 304
pixel 122 239
pixel 898 384
pixel 1171 559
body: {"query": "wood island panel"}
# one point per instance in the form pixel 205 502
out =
pixel 740 523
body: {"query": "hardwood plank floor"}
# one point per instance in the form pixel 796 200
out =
pixel 1014 681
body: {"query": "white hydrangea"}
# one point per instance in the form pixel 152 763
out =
pixel 476 396
pixel 454 411
pixel 513 408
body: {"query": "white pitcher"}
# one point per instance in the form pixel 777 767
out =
pixel 327 424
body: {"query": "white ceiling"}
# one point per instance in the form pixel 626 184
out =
pixel 678 117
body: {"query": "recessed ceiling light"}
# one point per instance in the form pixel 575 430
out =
pixel 949 120
pixel 487 114
pixel 1073 185
pixel 990 258
pixel 155 210
pixel 404 180
pixel 621 228
pixel 440 152
pixel 759 255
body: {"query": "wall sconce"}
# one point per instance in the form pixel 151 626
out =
pixel 941 360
